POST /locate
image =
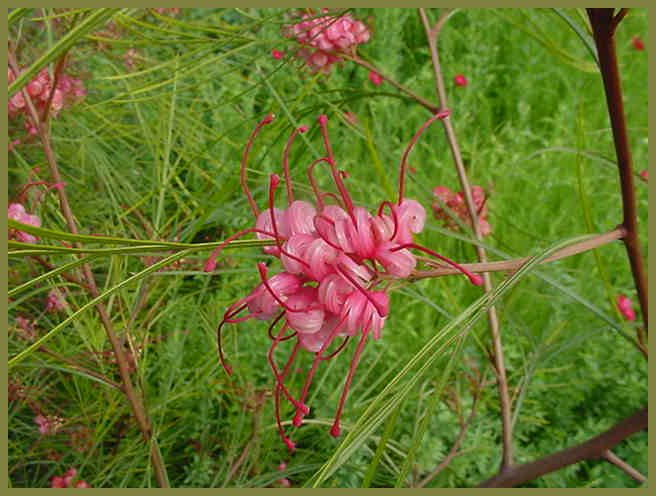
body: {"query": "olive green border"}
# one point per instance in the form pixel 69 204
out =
pixel 383 3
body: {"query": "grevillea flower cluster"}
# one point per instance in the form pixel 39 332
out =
pixel 337 261
pixel 17 212
pixel 43 92
pixel 457 206
pixel 323 38
pixel 67 480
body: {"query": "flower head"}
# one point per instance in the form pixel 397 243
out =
pixel 336 262
pixel 324 38
pixel 16 211
pixel 449 204
pixel 46 93
pixel 55 301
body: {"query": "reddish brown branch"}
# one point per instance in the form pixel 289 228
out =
pixel 493 321
pixel 603 26
pixel 594 448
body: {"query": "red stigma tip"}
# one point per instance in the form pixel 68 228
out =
pixel 302 129
pixel 268 119
pixel 298 419
pixel 476 280
pixel 210 265
pixel 335 430
pixel 323 119
pixel 275 180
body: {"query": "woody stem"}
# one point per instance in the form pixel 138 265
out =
pixel 493 321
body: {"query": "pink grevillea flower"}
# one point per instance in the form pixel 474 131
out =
pixel 324 38
pixel 625 306
pixel 453 204
pixel 336 260
pixel 55 301
pixel 375 78
pixel 460 80
pixel 67 479
pixel 48 424
pixel 16 211
pixel 277 54
pixel 44 92
pixel 637 43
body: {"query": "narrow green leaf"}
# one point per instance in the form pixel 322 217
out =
pixel 59 327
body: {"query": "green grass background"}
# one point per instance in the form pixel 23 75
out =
pixel 165 140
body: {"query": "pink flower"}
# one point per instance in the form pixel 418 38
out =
pixel 67 479
pixel 16 211
pixel 57 482
pixel 277 54
pixel 625 307
pixel 456 206
pixel 644 175
pixel 48 424
pixel 324 38
pixel 637 43
pixel 172 11
pixel 460 80
pixel 337 260
pixel 55 301
pixel 67 91
pixel 375 78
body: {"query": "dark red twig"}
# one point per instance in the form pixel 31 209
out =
pixel 603 24
pixel 589 450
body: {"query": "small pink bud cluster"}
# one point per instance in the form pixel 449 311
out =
pixel 323 38
pixel 644 175
pixel 67 91
pixel 55 301
pixel 625 307
pixel 337 259
pixel 456 204
pixel 16 211
pixel 48 424
pixel 171 11
pixel 67 479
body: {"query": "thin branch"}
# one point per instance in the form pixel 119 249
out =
pixel 611 457
pixel 589 450
pixel 618 18
pixel 128 388
pixel 370 67
pixel 493 321
pixel 514 264
pixel 603 31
